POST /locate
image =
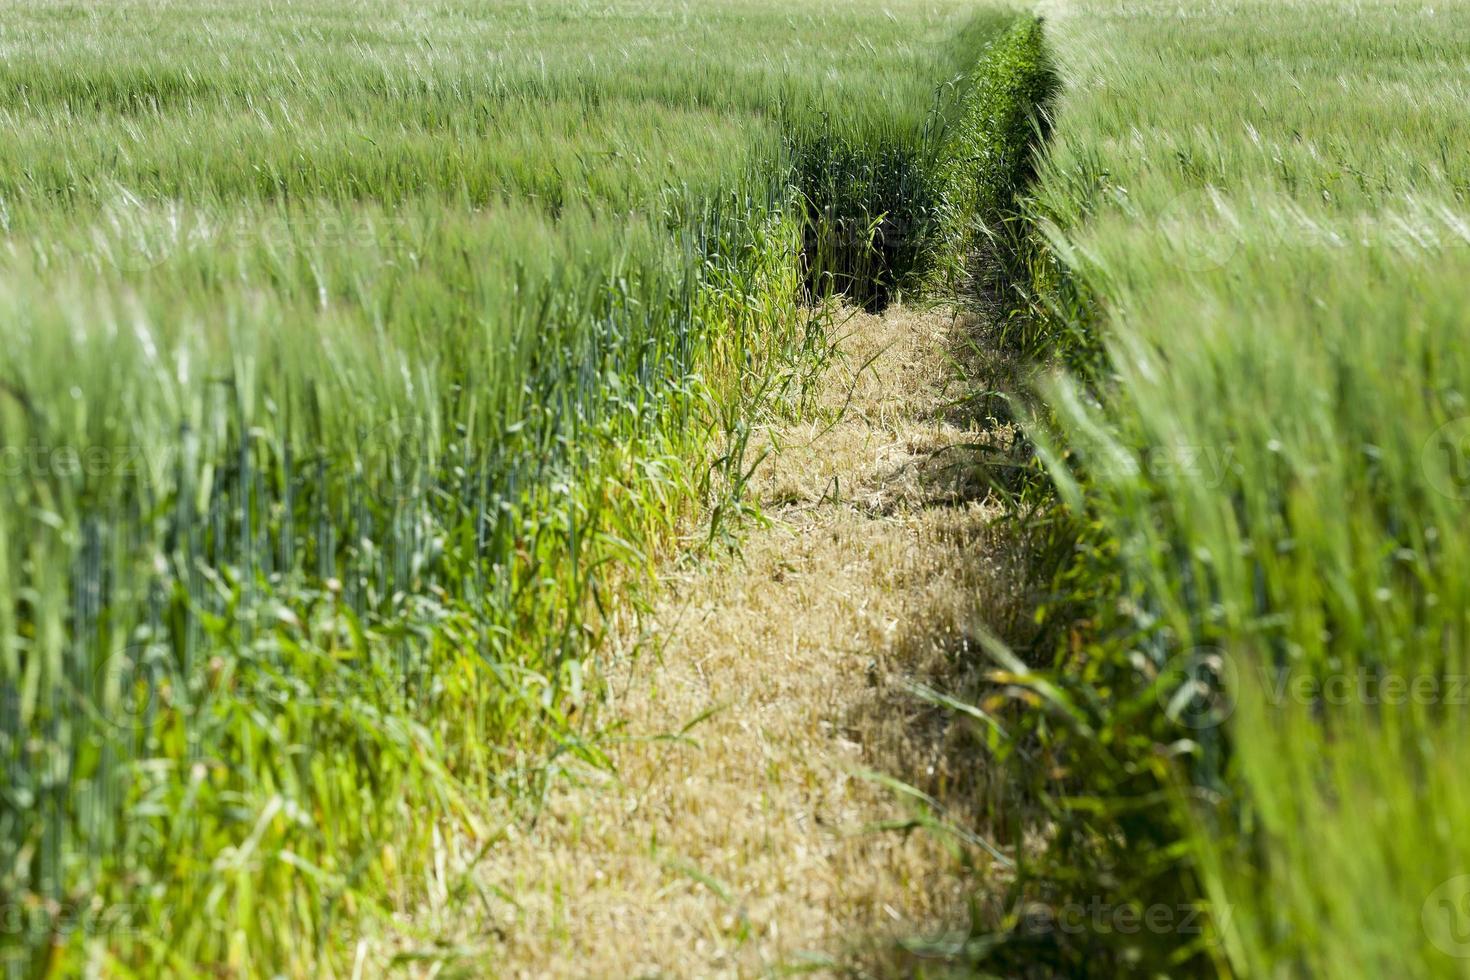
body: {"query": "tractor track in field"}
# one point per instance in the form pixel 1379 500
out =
pixel 755 847
pixel 756 842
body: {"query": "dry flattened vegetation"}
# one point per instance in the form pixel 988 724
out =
pixel 761 707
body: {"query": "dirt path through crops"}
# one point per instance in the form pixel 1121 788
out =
pixel 754 845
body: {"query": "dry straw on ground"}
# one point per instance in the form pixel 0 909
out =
pixel 755 847
pixel 756 843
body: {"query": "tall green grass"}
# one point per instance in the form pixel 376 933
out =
pixel 356 358
pixel 1250 745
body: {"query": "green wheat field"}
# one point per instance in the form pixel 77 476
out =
pixel 360 358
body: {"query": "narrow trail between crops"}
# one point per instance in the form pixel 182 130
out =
pixel 757 843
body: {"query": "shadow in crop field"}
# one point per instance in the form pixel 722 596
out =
pixel 874 213
pixel 926 744
pixel 981 510
pixel 935 729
